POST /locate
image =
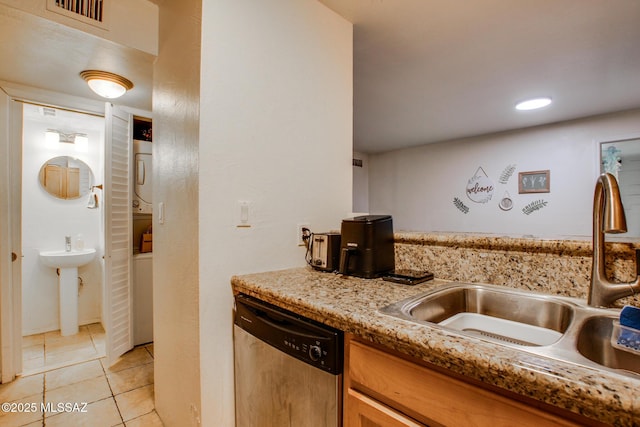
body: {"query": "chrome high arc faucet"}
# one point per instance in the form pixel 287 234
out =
pixel 608 217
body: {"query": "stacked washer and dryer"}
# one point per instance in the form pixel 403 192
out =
pixel 142 209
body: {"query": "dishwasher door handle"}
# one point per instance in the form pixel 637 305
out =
pixel 284 325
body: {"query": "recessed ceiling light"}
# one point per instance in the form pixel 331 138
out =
pixel 533 104
pixel 105 84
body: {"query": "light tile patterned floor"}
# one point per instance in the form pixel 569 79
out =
pixel 72 386
pixel 43 352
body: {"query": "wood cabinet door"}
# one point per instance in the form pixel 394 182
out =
pixel 55 181
pixel 362 411
pixel 435 398
pixel 73 183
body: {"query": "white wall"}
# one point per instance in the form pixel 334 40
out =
pixel 275 130
pixel 47 220
pixel 361 184
pixel 418 185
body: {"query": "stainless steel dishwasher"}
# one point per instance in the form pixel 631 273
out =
pixel 288 369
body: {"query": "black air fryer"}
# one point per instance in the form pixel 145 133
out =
pixel 366 248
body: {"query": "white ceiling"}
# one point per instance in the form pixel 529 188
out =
pixel 435 70
pixel 424 70
pixel 40 53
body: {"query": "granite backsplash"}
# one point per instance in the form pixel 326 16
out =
pixel 560 267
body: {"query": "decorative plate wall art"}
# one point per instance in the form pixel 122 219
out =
pixel 480 187
pixel 506 204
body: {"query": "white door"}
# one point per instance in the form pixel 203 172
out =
pixel 118 302
pixel 10 238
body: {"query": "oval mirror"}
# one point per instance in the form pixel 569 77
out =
pixel 66 178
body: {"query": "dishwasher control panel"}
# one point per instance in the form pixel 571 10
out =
pixel 312 342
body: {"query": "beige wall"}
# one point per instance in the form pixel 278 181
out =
pixel 175 268
pixel 274 107
pixel 6 327
pixel 10 226
pixel 132 23
pixel 275 130
pixel 361 183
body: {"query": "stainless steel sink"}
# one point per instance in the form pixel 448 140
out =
pixel 528 308
pixel 496 302
pixel 594 343
pixel 583 333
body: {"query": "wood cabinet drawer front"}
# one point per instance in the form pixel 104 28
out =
pixel 430 396
pixel 362 411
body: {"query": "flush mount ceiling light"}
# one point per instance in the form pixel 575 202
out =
pixel 533 104
pixel 105 84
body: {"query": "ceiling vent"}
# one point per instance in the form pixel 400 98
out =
pixel 92 12
pixel 46 111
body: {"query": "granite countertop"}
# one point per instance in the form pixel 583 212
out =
pixel 351 304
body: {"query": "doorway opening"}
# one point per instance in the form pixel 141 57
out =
pixel 62 173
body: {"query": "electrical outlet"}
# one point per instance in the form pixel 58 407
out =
pixel 300 233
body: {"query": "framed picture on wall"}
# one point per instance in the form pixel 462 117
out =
pixel 534 182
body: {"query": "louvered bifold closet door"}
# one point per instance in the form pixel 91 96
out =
pixel 118 307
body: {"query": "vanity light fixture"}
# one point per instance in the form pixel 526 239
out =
pixel 51 137
pixel 54 136
pixel 105 84
pixel 82 143
pixel 533 104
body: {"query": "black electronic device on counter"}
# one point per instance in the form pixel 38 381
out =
pixel 408 277
pixel 366 246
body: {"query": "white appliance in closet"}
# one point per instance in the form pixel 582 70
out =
pixel 142 177
pixel 142 209
pixel 142 298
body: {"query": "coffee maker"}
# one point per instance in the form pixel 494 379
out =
pixel 366 246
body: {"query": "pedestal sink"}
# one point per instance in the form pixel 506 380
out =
pixel 67 264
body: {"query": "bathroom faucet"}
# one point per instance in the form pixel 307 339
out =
pixel 608 217
pixel 67 243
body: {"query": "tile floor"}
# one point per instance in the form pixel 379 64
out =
pixel 67 383
pixel 44 352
